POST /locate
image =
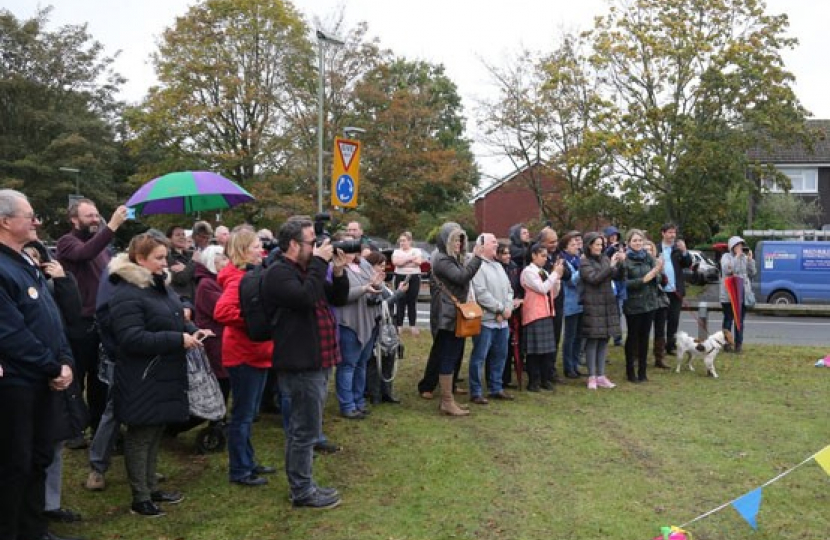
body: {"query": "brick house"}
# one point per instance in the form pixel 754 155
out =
pixel 511 200
pixel 809 171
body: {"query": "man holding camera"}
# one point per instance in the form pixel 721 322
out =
pixel 306 349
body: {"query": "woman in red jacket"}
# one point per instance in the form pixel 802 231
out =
pixel 247 362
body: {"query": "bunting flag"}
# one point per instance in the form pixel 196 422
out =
pixel 748 506
pixel 734 286
pixel 823 459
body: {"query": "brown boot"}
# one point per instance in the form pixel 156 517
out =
pixel 660 353
pixel 447 405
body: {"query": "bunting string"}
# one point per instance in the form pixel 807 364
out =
pixel 822 457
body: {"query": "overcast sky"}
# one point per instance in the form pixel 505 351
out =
pixel 458 34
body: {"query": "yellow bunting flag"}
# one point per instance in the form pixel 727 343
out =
pixel 823 459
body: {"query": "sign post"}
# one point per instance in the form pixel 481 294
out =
pixel 345 173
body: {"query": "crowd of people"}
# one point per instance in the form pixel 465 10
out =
pixel 116 328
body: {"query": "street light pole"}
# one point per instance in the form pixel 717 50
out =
pixel 322 39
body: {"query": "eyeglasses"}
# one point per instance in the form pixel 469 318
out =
pixel 34 218
pixel 307 242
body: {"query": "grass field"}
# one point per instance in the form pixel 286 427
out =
pixel 573 464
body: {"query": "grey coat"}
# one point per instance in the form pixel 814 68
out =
pixel 449 268
pixel 600 314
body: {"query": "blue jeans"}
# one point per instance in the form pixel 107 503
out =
pixel 247 385
pixel 350 378
pixel 490 344
pixel 571 343
pixel 307 392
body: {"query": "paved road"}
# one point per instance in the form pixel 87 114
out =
pixel 760 329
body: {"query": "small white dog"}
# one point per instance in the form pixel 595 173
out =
pixel 707 349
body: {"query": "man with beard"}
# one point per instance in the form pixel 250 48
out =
pixel 298 292
pixel 83 251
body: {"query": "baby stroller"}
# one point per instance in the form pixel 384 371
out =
pixel 206 403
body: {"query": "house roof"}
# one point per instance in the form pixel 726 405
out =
pixel 797 153
pixel 500 182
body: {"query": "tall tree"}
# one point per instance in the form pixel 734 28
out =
pixel 57 109
pixel 695 83
pixel 416 158
pixel 235 84
pixel 547 113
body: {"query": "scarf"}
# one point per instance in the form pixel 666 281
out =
pixel 636 255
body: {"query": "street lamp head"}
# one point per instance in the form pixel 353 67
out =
pixel 331 40
pixel 350 131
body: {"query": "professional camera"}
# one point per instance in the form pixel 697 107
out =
pixel 321 234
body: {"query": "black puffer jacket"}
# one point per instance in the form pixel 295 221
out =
pixel 151 370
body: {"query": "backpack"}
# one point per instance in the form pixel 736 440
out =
pixel 258 324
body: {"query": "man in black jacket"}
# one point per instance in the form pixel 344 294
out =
pixel 34 359
pixel 298 292
pixel 675 258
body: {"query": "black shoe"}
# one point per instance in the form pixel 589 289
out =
pixel 146 509
pixel 547 385
pixel 643 378
pixel 580 374
pixel 510 385
pixel 327 447
pixel 251 480
pixel 318 500
pixel 571 375
pixel 533 388
pixel 634 380
pixel 264 469
pixel 353 415
pixel 169 497
pixel 389 399
pixel 328 491
pixel 504 396
pixel 62 515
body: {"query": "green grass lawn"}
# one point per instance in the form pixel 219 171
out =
pixel 573 464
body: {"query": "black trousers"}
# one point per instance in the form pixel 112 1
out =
pixel 636 344
pixel 408 303
pixel 85 352
pixel 667 320
pixel 26 450
pixel 433 368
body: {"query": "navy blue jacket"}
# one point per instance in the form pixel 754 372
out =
pixel 33 344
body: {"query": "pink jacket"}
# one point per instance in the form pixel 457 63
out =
pixel 539 294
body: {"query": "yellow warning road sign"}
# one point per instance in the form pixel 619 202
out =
pixel 345 173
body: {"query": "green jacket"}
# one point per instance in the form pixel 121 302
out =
pixel 642 296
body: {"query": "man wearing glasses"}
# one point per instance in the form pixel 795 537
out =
pixel 35 360
pixel 296 288
pixel 83 251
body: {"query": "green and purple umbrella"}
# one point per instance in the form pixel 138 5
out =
pixel 186 192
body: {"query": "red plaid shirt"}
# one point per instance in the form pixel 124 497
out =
pixel 327 328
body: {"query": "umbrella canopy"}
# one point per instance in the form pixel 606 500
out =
pixel 734 286
pixel 187 191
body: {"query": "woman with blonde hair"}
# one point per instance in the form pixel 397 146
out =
pixel 247 362
pixel 643 273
